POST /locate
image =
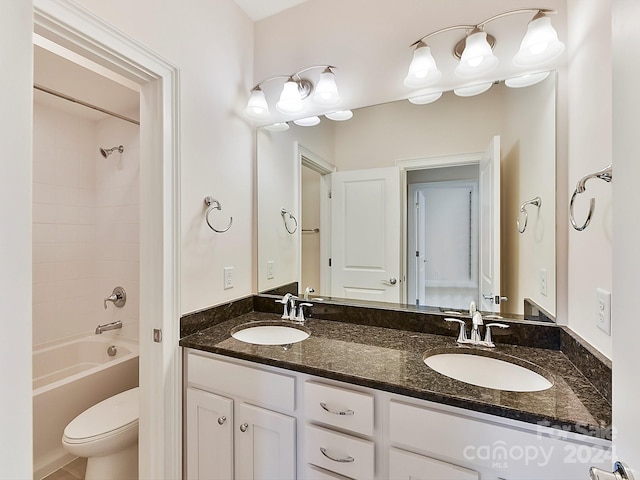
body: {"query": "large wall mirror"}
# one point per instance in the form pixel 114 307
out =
pixel 437 205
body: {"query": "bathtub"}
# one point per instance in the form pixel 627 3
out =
pixel 69 376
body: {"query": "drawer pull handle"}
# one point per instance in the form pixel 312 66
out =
pixel 243 427
pixel 336 412
pixel 339 460
pixel 221 420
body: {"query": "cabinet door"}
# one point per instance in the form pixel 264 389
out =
pixel 265 444
pixel 410 466
pixel 209 448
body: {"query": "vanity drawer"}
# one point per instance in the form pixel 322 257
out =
pixel 343 454
pixel 410 466
pixel 268 389
pixel 339 407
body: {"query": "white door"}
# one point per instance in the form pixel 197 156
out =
pixel 365 234
pixel 265 444
pixel 626 228
pixel 209 436
pixel 416 275
pixel 490 228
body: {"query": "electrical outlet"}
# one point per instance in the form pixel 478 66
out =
pixel 271 265
pixel 543 281
pixel 603 320
pixel 228 277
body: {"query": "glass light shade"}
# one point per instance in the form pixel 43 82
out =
pixel 340 115
pixel 425 99
pixel 326 92
pixel 290 101
pixel 526 80
pixel 472 90
pixel 308 121
pixel 257 105
pixel 540 44
pixel 278 127
pixel 477 57
pixel 422 70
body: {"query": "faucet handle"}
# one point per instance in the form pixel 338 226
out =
pixel 462 334
pixel 301 310
pixel 118 297
pixel 487 336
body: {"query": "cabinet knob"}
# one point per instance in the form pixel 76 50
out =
pixel 221 420
pixel 243 427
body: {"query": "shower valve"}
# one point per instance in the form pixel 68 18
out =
pixel 118 297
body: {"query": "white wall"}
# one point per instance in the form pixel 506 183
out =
pixel 212 45
pixel 626 226
pixel 590 149
pixel 16 50
pixel 85 223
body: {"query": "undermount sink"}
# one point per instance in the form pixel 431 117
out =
pixel 500 372
pixel 270 333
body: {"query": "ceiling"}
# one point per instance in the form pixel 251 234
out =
pixel 260 9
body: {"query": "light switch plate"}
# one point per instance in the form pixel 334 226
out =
pixel 228 277
pixel 271 265
pixel 603 305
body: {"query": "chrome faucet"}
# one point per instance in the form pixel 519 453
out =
pixel 118 297
pixel 476 338
pixel 108 326
pixel 307 291
pixel 300 319
pixel 285 302
pixel 476 321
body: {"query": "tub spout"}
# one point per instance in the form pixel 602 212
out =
pixel 108 326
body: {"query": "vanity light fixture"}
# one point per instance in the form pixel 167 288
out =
pixel 278 127
pixel 472 90
pixel 539 46
pixel 425 98
pixel 294 92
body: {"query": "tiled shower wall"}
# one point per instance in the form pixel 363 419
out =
pixel 85 223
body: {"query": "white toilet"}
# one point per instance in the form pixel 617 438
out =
pixel 107 434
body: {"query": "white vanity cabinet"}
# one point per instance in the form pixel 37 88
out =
pixel 235 425
pixel 245 420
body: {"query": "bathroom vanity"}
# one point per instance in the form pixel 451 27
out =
pixel 357 401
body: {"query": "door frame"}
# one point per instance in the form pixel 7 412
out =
pixel 313 161
pixel 73 27
pixel 426 163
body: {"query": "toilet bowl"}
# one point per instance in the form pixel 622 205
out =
pixel 107 435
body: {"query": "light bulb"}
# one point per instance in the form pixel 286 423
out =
pixel 308 121
pixel 290 101
pixel 422 70
pixel 540 44
pixel 477 57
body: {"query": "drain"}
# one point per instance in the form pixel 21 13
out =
pixel 112 350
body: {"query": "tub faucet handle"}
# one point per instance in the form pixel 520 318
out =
pixel 118 297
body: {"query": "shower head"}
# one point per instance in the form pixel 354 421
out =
pixel 105 152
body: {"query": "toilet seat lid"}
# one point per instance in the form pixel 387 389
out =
pixel 109 415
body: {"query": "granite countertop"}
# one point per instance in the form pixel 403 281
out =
pixel 392 360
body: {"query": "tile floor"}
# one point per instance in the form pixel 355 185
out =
pixel 71 471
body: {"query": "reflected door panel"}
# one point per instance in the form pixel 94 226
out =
pixel 365 218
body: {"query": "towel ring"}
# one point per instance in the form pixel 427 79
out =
pixel 215 205
pixel 284 212
pixel 523 209
pixel 605 174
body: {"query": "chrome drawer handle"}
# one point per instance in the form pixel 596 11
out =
pixel 336 412
pixel 339 460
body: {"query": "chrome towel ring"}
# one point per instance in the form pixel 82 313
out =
pixel 284 212
pixel 215 205
pixel 605 174
pixel 523 209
